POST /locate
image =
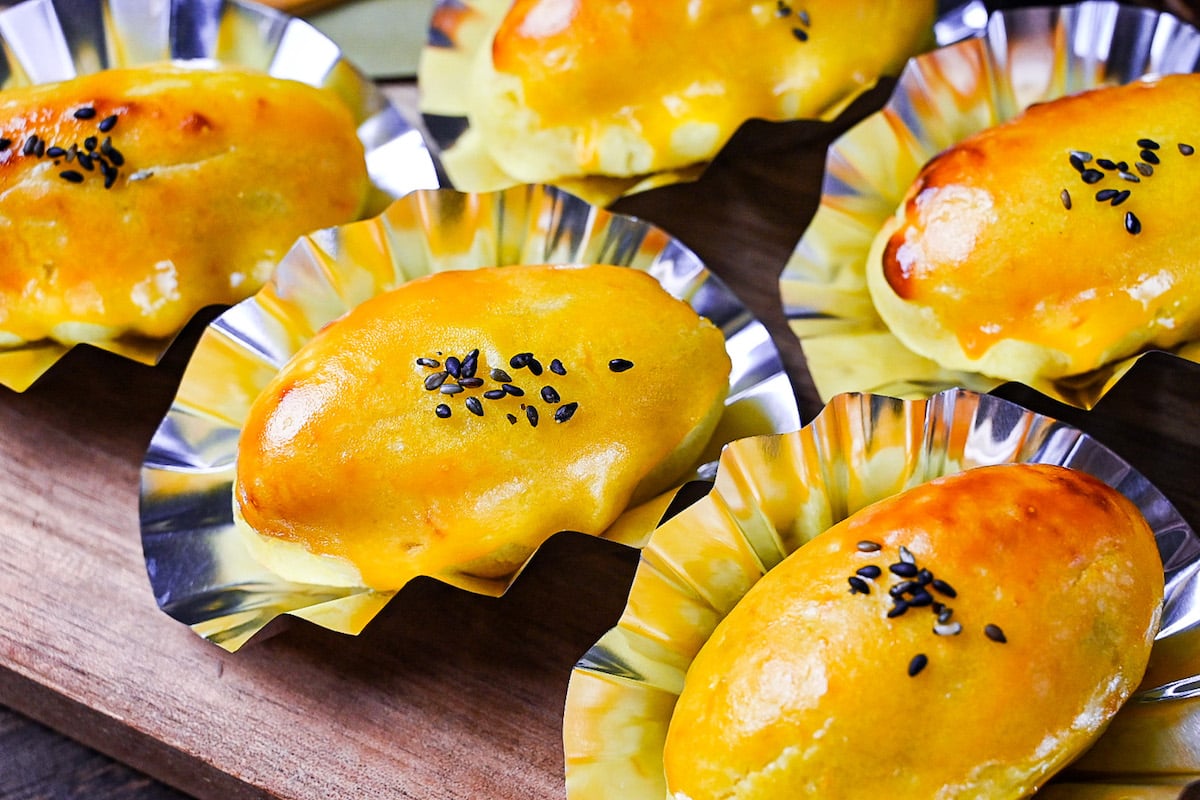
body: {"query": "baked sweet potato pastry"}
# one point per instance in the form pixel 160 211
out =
pixel 133 197
pixel 449 426
pixel 569 88
pixel 965 638
pixel 1055 243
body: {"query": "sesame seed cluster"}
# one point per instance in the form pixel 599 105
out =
pixel 915 587
pixel 91 156
pixel 803 21
pixel 1094 171
pixel 458 376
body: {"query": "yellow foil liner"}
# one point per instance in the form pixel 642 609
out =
pixel 39 46
pixel 199 566
pixel 775 493
pixel 459 30
pixel 1024 56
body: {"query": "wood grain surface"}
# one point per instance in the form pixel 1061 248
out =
pixel 446 694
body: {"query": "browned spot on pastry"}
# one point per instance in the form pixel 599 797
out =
pixel 195 122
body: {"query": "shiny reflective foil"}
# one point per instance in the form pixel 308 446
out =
pixel 199 567
pixel 45 41
pixel 461 29
pixel 773 494
pixel 1022 57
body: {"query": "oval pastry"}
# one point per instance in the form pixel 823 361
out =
pixel 131 198
pixel 588 87
pixel 965 638
pixel 450 426
pixel 1055 243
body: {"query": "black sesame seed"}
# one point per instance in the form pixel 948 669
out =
pixel 1106 163
pixel 942 587
pixel 435 380
pixel 869 547
pixel 800 34
pixel 428 362
pixel 113 154
pixel 994 633
pixel 1149 144
pixel 451 388
pixel 1091 175
pixel 920 598
pixel 869 571
pixel 30 147
pixel 557 367
pixel 620 365
pixel 512 418
pixel 1144 168
pixel 87 112
pixel 1186 149
pixel 108 123
pixel 782 11
pixel 535 367
pixel 805 20
pixel 858 585
pixel 904 569
pixel 906 555
pixel 918 663
pixel 470 383
pixel 1129 176
pixel 1123 166
pixel 40 150
pixel 474 406
pixel 550 395
pixel 1132 223
pixel 531 414
pixel 71 176
pixel 85 161
pixel 500 376
pixel 1083 156
pixel 442 410
pixel 90 143
pixel 520 360
pixel 1149 156
pixel 924 577
pixel 56 152
pixel 110 176
pixel 1104 195
pixel 494 394
pixel 454 366
pixel 1077 162
pixel 565 412
pixel 6 143
pixel 899 608
pixel 470 364
pixel 1065 196
pixel 1120 197
pixel 904 587
pixel 515 391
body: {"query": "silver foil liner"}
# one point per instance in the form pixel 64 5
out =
pixel 44 41
pixel 773 494
pixel 1022 56
pixel 199 568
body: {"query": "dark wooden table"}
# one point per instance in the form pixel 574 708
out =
pixel 743 218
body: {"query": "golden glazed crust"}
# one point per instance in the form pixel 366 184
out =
pixel 1005 260
pixel 345 456
pixel 212 173
pixel 591 87
pixel 804 690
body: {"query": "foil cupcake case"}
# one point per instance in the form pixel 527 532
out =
pixel 199 568
pixel 1023 56
pixel 774 493
pixel 52 40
